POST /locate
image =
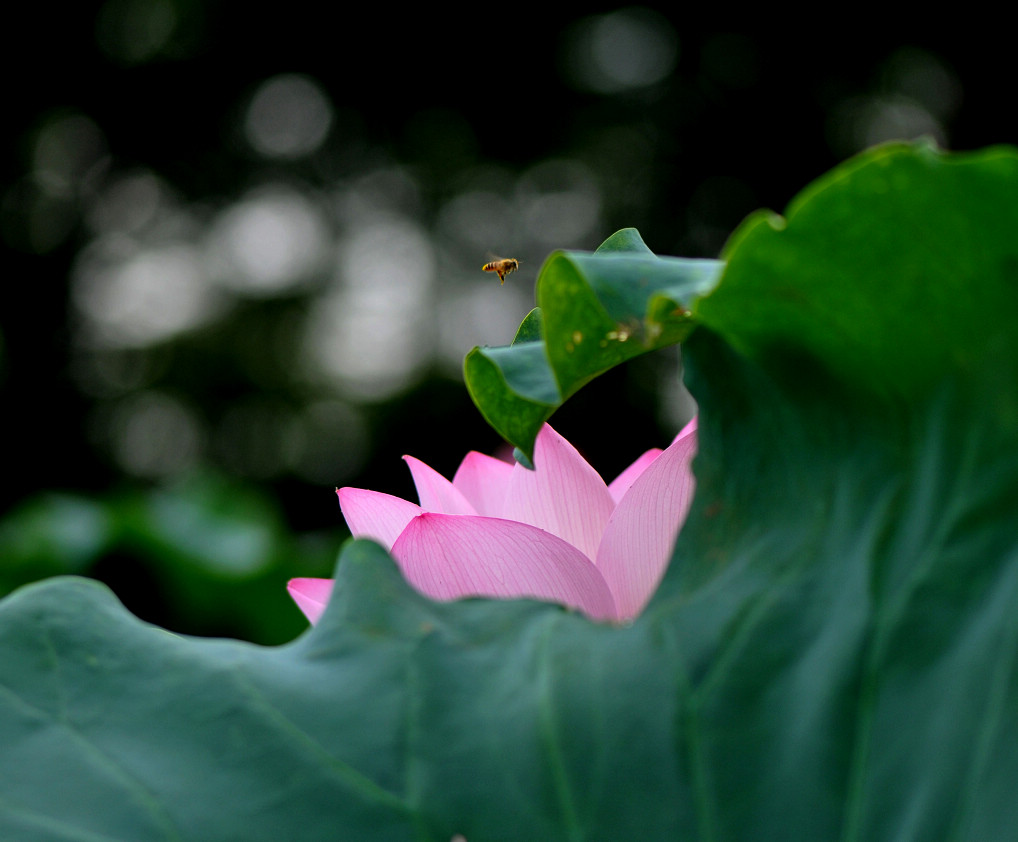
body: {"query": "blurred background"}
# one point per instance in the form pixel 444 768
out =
pixel 242 249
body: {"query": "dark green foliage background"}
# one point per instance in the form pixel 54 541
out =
pixel 831 653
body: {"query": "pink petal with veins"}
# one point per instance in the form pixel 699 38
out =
pixel 638 542
pixel 371 514
pixel 453 556
pixel 561 516
pixel 311 595
pixel 436 493
pixel 564 496
pixel 620 485
pixel 483 480
pixel 687 431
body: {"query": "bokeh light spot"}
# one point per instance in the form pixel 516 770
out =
pixel 134 31
pixel 141 298
pixel 481 314
pixel 34 219
pixel 154 435
pixel 126 204
pixel 915 95
pixel 480 219
pixel 371 335
pixel 860 122
pixel 561 203
pixel 923 78
pixel 66 148
pixel 269 242
pixel 289 116
pixel 621 51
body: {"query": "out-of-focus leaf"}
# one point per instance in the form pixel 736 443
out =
pixel 222 528
pixel 52 535
pixel 208 555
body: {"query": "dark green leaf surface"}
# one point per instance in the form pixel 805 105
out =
pixel 832 654
pixel 594 312
pixel 893 301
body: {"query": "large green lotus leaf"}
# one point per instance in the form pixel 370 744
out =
pixel 843 600
pixel 891 302
pixel 595 311
pixel 832 653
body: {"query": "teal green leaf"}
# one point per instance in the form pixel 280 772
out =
pixel 594 312
pixel 833 653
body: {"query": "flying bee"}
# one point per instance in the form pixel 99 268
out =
pixel 502 267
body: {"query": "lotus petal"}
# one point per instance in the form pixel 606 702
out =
pixel 483 480
pixel 640 535
pixel 620 485
pixel 372 514
pixel 311 595
pixel 453 556
pixel 557 533
pixel 435 492
pixel 564 496
pixel 687 431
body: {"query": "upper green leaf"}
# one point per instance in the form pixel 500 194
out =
pixel 890 271
pixel 596 311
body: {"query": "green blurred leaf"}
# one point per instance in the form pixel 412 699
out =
pixel 52 535
pixel 219 527
pixel 209 555
pixel 221 555
pixel 832 654
pixel 594 312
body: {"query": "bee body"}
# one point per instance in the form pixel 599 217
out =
pixel 502 267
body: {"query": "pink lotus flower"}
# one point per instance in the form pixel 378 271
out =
pixel 557 533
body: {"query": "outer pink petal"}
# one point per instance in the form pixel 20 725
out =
pixel 436 493
pixel 620 485
pixel 687 431
pixel 638 542
pixel 311 595
pixel 371 514
pixel 451 556
pixel 483 481
pixel 564 496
